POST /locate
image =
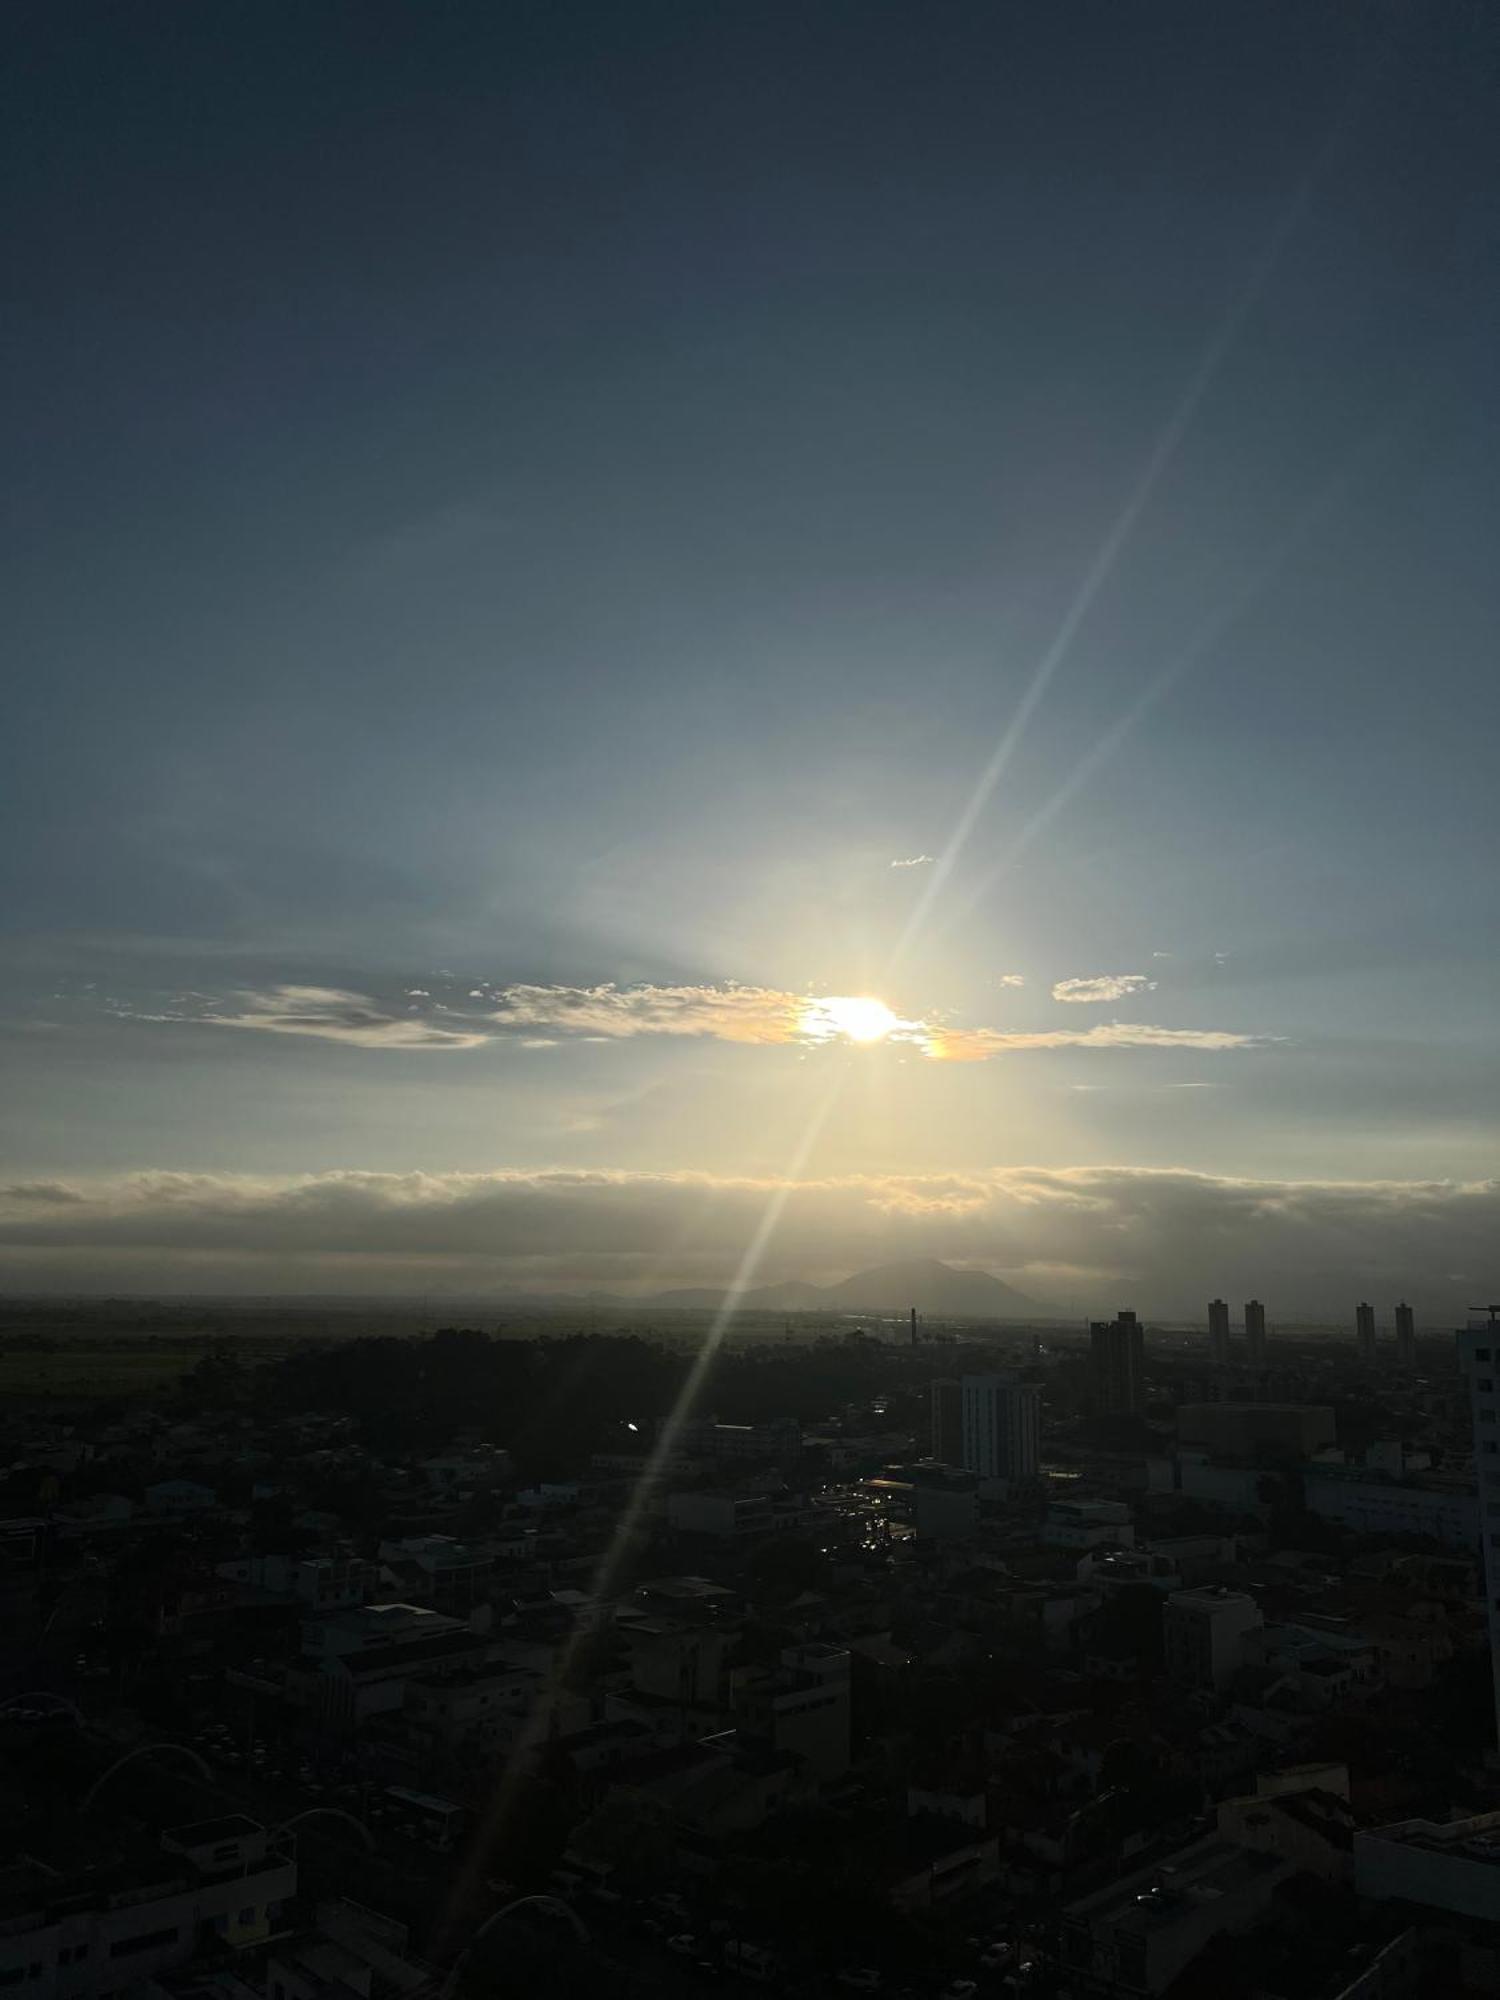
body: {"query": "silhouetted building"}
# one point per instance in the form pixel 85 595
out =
pixel 1118 1350
pixel 1364 1334
pixel 1218 1330
pixel 1002 1427
pixel 1479 1358
pixel 948 1422
pixel 1406 1340
pixel 1255 1333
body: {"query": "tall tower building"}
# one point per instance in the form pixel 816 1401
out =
pixel 1364 1334
pixel 1479 1359
pixel 1218 1330
pixel 948 1423
pixel 1255 1333
pixel 1002 1427
pixel 1406 1340
pixel 1118 1351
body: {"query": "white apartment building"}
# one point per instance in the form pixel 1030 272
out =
pixel 82 1935
pixel 1203 1635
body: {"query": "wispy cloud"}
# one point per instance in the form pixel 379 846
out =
pixel 914 861
pixel 332 1015
pixel 1103 987
pixel 980 1044
pixel 756 1014
pixel 539 1017
pixel 1011 979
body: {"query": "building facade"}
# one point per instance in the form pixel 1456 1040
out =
pixel 948 1422
pixel 1364 1334
pixel 1117 1350
pixel 1002 1427
pixel 1255 1333
pixel 1406 1339
pixel 1203 1635
pixel 1479 1358
pixel 1218 1330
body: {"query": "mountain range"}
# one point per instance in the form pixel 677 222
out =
pixel 945 1290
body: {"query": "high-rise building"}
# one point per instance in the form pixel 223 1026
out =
pixel 1255 1333
pixel 1406 1340
pixel 1002 1427
pixel 1118 1350
pixel 1479 1358
pixel 1364 1334
pixel 948 1422
pixel 1218 1330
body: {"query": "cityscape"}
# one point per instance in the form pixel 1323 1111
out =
pixel 917 1657
pixel 749 941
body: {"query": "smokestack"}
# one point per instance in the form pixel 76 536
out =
pixel 913 1326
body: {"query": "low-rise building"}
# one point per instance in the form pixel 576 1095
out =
pixel 1139 1934
pixel 110 1923
pixel 1376 1504
pixel 1453 1867
pixel 1203 1635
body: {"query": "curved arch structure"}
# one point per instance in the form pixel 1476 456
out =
pixel 143 1750
pixel 330 1812
pixel 553 1905
pixel 44 1694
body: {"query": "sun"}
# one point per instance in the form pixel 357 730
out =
pixel 858 1017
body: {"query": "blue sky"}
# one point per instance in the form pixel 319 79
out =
pixel 505 503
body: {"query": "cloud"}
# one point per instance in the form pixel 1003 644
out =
pixel 980 1044
pixel 536 1016
pixel 1011 979
pixel 1089 1239
pixel 914 861
pixel 756 1014
pixel 1103 986
pixel 333 1015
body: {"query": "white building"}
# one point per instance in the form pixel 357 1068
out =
pixel 1203 1635
pixel 1479 1358
pixel 113 1925
pixel 1002 1427
pixel 1454 1867
pixel 1373 1503
pixel 1140 1933
pixel 802 1707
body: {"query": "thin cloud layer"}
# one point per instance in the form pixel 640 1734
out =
pixel 538 1016
pixel 335 1016
pixel 982 1044
pixel 1103 987
pixel 914 861
pixel 756 1014
pixel 1080 1239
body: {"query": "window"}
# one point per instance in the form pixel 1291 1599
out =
pixel 11 1975
pixel 1486 1385
pixel 1481 1354
pixel 247 1915
pixel 1486 1416
pixel 1490 1446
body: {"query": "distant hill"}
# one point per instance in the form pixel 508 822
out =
pixel 930 1286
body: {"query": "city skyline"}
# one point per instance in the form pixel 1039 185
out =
pixel 728 648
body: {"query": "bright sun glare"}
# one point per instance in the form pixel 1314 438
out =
pixel 858 1017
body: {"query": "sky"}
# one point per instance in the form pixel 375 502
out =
pixel 550 547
